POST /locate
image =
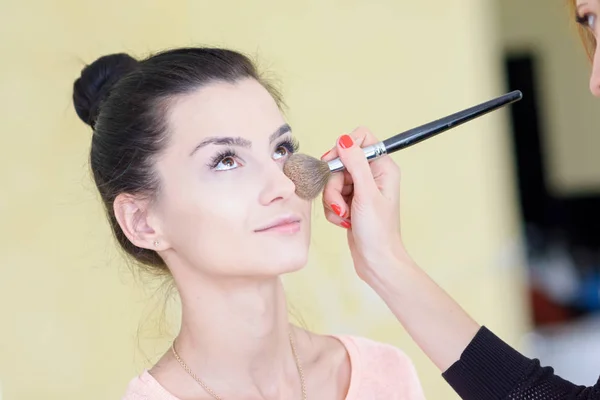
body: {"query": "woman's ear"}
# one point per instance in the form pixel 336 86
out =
pixel 134 217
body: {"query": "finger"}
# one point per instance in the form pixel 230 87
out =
pixel 356 164
pixel 362 136
pixel 337 220
pixel 347 190
pixel 333 199
pixel 387 176
pixel 346 193
pixel 330 154
pixel 384 170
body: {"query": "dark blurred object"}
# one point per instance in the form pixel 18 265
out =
pixel 566 228
pixel 546 311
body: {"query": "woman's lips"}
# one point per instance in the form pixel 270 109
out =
pixel 286 224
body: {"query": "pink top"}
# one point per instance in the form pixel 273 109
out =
pixel 379 372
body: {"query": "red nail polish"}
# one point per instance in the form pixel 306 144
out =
pixel 337 209
pixel 346 224
pixel 346 141
pixel 325 154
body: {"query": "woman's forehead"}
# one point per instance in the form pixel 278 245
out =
pixel 226 109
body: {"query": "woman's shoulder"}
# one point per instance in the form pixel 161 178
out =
pixel 145 387
pixel 374 353
pixel 382 368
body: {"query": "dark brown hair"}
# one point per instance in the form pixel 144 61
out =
pixel 125 101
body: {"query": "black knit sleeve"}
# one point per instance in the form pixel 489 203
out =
pixel 489 369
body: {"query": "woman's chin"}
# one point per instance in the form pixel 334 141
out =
pixel 286 265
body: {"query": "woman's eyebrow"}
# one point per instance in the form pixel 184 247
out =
pixel 239 141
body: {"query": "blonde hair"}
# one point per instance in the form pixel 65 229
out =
pixel 587 38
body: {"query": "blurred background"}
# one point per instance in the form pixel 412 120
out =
pixel 502 212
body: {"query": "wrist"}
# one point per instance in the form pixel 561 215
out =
pixel 392 273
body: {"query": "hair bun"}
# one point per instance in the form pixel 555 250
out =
pixel 95 82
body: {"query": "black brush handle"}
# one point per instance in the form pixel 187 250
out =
pixel 423 132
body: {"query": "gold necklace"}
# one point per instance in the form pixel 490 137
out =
pixel 217 397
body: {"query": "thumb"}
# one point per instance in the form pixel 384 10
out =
pixel 356 164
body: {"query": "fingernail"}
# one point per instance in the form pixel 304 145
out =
pixel 346 224
pixel 346 141
pixel 326 153
pixel 337 209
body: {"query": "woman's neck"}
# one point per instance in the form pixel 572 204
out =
pixel 237 331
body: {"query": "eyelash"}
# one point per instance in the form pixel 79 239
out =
pixel 290 144
pixel 220 156
pixel 583 20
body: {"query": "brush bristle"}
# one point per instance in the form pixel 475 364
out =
pixel 309 174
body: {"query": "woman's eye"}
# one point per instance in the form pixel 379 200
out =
pixel 588 20
pixel 281 152
pixel 286 148
pixel 226 163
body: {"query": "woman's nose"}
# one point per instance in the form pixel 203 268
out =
pixel 595 77
pixel 277 186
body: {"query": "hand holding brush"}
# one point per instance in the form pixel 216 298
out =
pixel 365 197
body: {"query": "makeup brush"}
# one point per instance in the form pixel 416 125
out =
pixel 310 175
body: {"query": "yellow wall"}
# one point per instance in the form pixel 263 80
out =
pixel 569 112
pixel 69 308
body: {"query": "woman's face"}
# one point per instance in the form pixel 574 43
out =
pixel 587 15
pixel 225 207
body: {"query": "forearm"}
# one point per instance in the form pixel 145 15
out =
pixel 439 326
pixel 477 364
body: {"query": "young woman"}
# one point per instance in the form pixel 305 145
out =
pixel 187 154
pixel 475 362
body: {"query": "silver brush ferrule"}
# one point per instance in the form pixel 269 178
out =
pixel 371 153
